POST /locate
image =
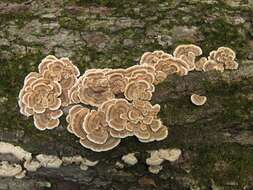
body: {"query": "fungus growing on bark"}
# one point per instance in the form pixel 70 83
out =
pixel 198 100
pixel 151 58
pixel 156 132
pixel 172 65
pixel 130 159
pixel 117 100
pixel 62 71
pixel 116 115
pixel 32 165
pixel 170 154
pixel 47 120
pixel 188 53
pixel 157 157
pixel 17 151
pixel 49 161
pixel 224 56
pixel 141 72
pixel 93 88
pixel 117 80
pixel 154 159
pixel 210 65
pixel 139 90
pixel 79 160
pixel 40 97
pixel 11 170
pixel 92 129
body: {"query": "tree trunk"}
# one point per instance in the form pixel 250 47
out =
pixel 216 139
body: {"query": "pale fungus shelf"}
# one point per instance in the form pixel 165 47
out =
pixel 198 100
pixel 108 105
pixel 11 170
pixel 28 163
pixel 129 159
pixel 157 157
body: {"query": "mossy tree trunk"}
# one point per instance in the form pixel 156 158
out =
pixel 216 139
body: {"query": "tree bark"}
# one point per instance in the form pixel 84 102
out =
pixel 216 139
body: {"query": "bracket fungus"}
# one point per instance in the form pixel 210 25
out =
pixel 198 100
pixel 11 170
pixel 130 159
pixel 107 105
pixel 157 157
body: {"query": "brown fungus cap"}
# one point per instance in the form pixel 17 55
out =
pixel 139 90
pixel 225 56
pixel 97 130
pixel 73 94
pixel 170 66
pixel 38 95
pixel 92 129
pixel 156 131
pixel 188 53
pixel 200 64
pixel 143 74
pixel 198 100
pixel 116 115
pixel 60 70
pixel 151 58
pixel 210 65
pixel 94 88
pixel 47 120
pixel 117 81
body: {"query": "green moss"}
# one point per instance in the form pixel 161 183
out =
pixel 223 164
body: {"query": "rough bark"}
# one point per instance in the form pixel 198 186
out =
pixel 216 139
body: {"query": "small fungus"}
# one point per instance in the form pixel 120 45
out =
pixel 130 159
pixel 17 151
pixel 188 53
pixel 155 169
pixel 49 161
pixel 32 165
pixel 198 100
pixel 151 58
pixel 154 159
pixel 225 56
pixel 84 163
pixel 170 154
pixel 11 170
pixel 157 157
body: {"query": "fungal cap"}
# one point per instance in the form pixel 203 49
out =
pixel 17 151
pixel 32 165
pixel 170 154
pixel 9 170
pixel 198 100
pixel 110 144
pixel 49 161
pixel 139 90
pixel 47 120
pixel 210 65
pixel 185 49
pixel 154 159
pixel 130 159
pixel 155 169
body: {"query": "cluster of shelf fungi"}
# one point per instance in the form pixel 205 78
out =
pixel 107 105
